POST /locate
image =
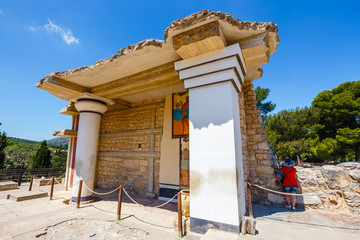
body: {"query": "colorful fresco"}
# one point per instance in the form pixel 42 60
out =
pixel 184 163
pixel 180 115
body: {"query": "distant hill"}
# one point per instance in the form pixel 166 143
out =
pixel 58 141
pixel 20 140
pixel 54 141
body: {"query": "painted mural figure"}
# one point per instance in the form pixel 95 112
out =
pixel 181 115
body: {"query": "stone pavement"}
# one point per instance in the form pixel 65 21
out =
pixel 45 219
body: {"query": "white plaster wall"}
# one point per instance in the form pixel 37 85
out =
pixel 214 157
pixel 170 149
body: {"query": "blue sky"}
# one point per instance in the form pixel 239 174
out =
pixel 319 48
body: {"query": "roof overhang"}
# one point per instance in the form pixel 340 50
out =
pixel 146 70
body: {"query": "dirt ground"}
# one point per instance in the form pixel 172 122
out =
pixel 53 219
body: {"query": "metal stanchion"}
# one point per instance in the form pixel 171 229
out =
pixel 31 182
pixel 52 187
pixel 118 216
pixel 180 230
pixel 79 194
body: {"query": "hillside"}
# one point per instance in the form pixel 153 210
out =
pixel 58 141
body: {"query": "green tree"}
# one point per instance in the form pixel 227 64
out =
pixel 340 117
pixel 3 144
pixel 59 157
pixel 19 155
pixel 292 133
pixel 261 95
pixel 42 157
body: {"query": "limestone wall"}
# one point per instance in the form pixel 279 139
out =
pixel 329 178
pixel 256 151
pixel 129 147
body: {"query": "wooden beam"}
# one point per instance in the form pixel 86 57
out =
pixel 69 110
pixel 146 86
pixel 65 133
pixel 127 133
pixel 200 40
pixel 58 86
pixel 108 88
pixel 137 108
pixel 145 155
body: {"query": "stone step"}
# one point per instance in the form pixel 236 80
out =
pixel 17 197
pixel 9 185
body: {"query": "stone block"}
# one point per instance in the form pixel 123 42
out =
pixel 335 177
pixel 264 170
pixel 256 138
pixel 309 200
pixel 263 146
pixel 275 198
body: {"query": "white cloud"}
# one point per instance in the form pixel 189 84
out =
pixel 31 28
pixel 66 34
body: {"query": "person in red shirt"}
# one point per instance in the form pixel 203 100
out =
pixel 290 184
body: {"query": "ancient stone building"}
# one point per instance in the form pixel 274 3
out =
pixel 160 116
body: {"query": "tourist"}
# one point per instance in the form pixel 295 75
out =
pixel 290 184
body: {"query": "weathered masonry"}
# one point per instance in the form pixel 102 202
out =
pixel 160 116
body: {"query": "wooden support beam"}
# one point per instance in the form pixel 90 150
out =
pixel 65 133
pixel 200 40
pixel 130 154
pixel 128 133
pixel 136 82
pixel 60 87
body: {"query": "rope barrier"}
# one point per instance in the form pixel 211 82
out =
pixel 304 194
pixel 98 192
pixel 149 206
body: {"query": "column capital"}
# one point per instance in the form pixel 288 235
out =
pixel 88 102
pixel 214 67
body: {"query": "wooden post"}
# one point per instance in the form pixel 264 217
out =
pixel 118 216
pixel 249 198
pixel 20 178
pixel 180 231
pixel 79 194
pixel 52 187
pixel 31 182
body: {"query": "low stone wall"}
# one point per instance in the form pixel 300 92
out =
pixel 316 179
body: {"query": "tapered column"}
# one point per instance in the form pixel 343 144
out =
pixel 90 109
pixel 217 187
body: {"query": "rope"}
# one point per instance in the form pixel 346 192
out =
pixel 304 194
pixel 149 206
pixel 98 192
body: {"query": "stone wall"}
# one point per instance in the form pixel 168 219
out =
pixel 256 150
pixel 129 147
pixel 329 178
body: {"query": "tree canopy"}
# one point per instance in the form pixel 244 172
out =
pixel 329 130
pixel 42 157
pixel 261 95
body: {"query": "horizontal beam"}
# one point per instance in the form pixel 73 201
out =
pixel 60 87
pixel 136 132
pixel 130 154
pixel 65 133
pixel 134 81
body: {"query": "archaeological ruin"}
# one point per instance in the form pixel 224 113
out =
pixel 160 116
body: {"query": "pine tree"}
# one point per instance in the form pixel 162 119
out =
pixel 42 157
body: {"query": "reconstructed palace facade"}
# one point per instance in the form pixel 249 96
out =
pixel 160 116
